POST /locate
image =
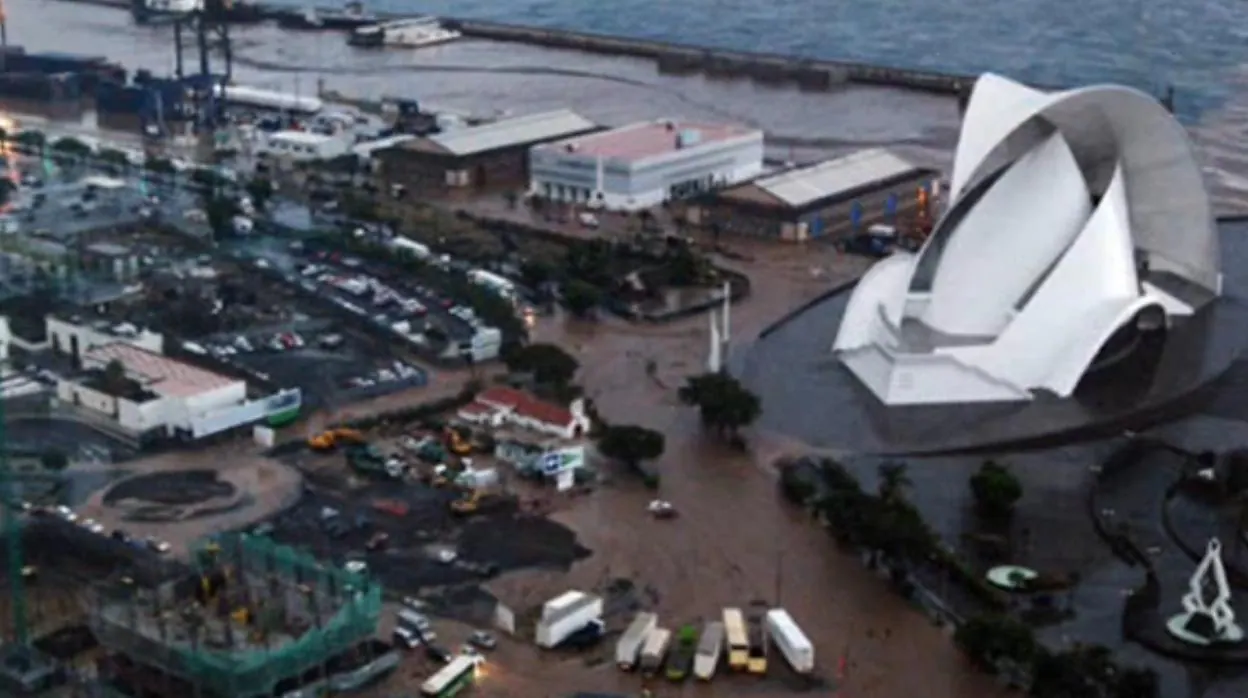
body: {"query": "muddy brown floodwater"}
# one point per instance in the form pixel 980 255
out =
pixel 735 539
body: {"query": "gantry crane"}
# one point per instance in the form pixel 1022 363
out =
pixel 210 26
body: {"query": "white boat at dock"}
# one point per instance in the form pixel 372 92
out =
pixel 411 32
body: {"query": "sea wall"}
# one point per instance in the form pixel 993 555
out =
pixel 808 74
pixel 677 59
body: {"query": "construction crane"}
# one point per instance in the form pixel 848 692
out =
pixel 13 541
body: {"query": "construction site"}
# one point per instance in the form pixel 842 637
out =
pixel 255 619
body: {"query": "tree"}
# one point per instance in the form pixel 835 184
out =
pixel 549 364
pixel 209 180
pixel 220 212
pixel 631 444
pixel 581 297
pixel 54 460
pixel 723 402
pixel 71 148
pixel 160 166
pixel 995 490
pixel 114 377
pixel 893 481
pixel 113 159
pixel 536 274
pixel 260 189
pixel 1137 683
pixel 31 141
pixel 991 640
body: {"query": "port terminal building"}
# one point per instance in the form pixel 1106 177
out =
pixel 253 618
pixel 491 155
pixel 645 164
pixel 830 199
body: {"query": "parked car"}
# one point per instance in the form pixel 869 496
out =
pixel 482 640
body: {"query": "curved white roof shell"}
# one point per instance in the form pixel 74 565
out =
pixel 1071 214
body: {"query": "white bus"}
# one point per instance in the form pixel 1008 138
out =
pixel 498 284
pixel 451 679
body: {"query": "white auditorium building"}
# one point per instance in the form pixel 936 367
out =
pixel 1075 219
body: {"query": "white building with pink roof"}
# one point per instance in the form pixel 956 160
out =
pixel 645 164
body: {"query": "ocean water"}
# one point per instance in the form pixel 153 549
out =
pixel 1195 45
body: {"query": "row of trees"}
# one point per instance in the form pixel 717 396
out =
pixel 999 644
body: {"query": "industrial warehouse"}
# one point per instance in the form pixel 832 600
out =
pixel 487 155
pixel 646 164
pixel 830 199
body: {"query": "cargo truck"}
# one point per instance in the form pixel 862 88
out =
pixel 628 648
pixel 654 650
pixel 791 641
pixel 756 630
pixel 680 659
pixel 567 617
pixel 710 647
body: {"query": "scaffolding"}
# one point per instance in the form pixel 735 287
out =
pixel 254 614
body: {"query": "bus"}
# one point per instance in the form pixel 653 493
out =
pixel 756 634
pixel 451 679
pixel 737 639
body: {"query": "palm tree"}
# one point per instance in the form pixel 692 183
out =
pixel 893 481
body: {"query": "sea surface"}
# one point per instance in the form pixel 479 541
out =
pixel 1200 48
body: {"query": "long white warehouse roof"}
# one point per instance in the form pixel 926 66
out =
pixel 804 185
pixel 516 131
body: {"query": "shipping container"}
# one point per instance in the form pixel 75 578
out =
pixel 568 619
pixel 791 641
pixel 654 650
pixel 628 648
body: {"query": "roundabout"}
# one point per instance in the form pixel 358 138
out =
pixel 174 496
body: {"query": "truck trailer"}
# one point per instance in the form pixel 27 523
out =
pixel 628 648
pixel 654 650
pixel 710 647
pixel 558 623
pixel 791 641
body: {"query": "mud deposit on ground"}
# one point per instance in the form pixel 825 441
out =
pixel 177 496
pixel 419 528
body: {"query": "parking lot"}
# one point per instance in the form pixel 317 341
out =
pixel 275 334
pixel 382 300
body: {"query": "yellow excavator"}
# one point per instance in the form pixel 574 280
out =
pixel 330 439
pixel 456 442
pixel 467 504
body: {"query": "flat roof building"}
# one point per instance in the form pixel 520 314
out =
pixel 488 155
pixel 645 164
pixel 155 396
pixel 826 199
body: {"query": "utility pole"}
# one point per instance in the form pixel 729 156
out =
pixel 779 576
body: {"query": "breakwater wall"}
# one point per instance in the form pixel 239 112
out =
pixel 678 59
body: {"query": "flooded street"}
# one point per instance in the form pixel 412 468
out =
pixel 735 540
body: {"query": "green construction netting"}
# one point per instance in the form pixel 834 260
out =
pixel 255 672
